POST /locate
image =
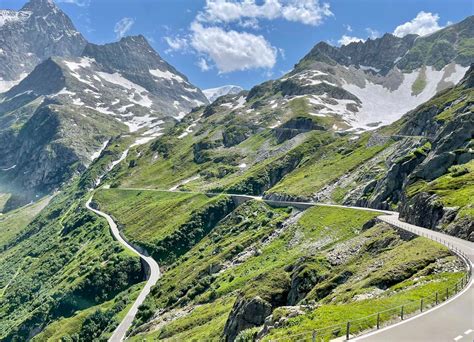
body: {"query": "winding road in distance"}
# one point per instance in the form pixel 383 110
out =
pixel 153 274
pixel 452 320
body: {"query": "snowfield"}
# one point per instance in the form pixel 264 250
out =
pixel 167 75
pixel 9 16
pixel 379 104
pixel 7 85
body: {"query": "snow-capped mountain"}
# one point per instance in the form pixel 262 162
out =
pixel 27 37
pixel 374 83
pixel 356 87
pixel 213 94
pixel 56 120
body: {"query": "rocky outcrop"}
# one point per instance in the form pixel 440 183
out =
pixel 234 135
pixel 202 150
pixel 293 127
pixel 246 313
pixel 426 210
pixel 304 277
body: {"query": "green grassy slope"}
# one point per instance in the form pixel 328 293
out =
pixel 12 223
pixel 254 253
pixel 63 262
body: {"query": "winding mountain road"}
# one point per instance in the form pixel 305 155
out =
pixel 153 273
pixel 451 321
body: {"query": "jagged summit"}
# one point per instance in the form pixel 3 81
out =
pixel 29 36
pixel 39 5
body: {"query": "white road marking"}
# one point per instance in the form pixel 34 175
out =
pixel 467 332
pixel 458 337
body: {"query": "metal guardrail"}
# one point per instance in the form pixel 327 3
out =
pixel 377 320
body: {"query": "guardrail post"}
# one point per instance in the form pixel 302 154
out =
pixel 421 305
pixel 378 320
pixel 447 293
pixel 436 298
pixel 348 330
pixel 456 287
pixel 401 313
pixel 314 336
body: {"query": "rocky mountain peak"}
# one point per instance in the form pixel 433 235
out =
pixel 33 34
pixel 39 6
pixel 132 53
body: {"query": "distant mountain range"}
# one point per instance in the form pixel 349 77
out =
pixel 213 94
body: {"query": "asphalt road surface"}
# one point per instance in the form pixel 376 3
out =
pixel 153 274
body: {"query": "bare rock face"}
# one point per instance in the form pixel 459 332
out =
pixel 36 32
pixel 246 313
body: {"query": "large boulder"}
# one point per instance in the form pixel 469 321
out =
pixel 246 313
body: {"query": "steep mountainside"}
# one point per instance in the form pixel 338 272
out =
pixel 59 118
pixel 282 147
pixel 425 168
pixel 27 37
pixel 62 273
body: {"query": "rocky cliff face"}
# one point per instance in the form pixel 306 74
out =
pixel 36 32
pixel 136 61
pixel 429 170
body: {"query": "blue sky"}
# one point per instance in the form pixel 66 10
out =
pixel 211 41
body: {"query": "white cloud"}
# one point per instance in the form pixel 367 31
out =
pixel 232 50
pixel 373 34
pixel 348 28
pixel 176 43
pixel 345 40
pixel 80 3
pixel 282 53
pixel 202 64
pixel 250 23
pixel 424 23
pixel 309 12
pixel 123 26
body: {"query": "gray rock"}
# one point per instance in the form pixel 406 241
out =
pixel 246 313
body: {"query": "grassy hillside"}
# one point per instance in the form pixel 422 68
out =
pixel 12 223
pixel 329 259
pixel 165 224
pixel 62 267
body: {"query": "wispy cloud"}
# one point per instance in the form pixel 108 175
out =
pixel 373 34
pixel 203 65
pixel 123 26
pixel 80 3
pixel 176 43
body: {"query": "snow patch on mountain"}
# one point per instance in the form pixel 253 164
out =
pixel 9 16
pixel 379 104
pixel 7 85
pixel 167 75
pixel 96 154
